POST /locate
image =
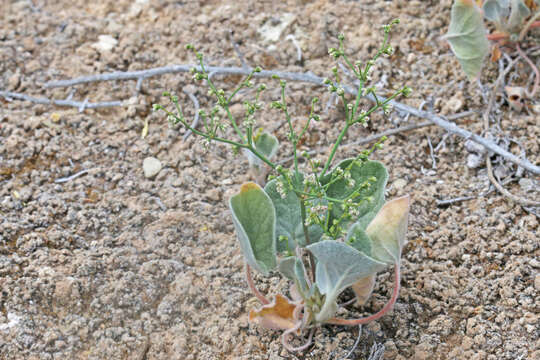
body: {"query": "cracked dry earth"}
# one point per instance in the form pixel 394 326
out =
pixel 114 265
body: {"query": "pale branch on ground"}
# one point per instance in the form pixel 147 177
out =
pixel 517 199
pixel 304 77
pixel 69 178
pixel 81 105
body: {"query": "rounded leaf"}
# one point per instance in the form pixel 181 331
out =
pixel 254 219
pixel 467 36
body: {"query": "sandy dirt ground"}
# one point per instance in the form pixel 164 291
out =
pixel 115 265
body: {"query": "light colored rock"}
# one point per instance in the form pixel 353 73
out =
pixel 151 167
pixel 63 290
pixel 14 81
pixel 273 28
pixel 527 184
pixel 13 320
pixel 453 105
pixel 400 184
pixel 105 43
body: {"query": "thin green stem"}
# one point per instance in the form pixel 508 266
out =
pixel 358 97
pixel 292 134
pixel 224 104
pixel 306 235
pixel 334 149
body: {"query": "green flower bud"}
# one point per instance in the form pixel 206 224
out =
pixel 406 91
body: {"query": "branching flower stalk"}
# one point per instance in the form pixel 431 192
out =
pixel 331 220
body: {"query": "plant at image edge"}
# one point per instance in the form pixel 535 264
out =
pixel 467 33
pixel 325 230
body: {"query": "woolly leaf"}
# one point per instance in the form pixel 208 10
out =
pixel 338 267
pixel 289 219
pixel 266 144
pixel 387 231
pixel 496 10
pixel 254 219
pixel 358 239
pixel 286 267
pixel 467 36
pixel 382 240
pixel 518 13
pixel 361 173
pixel 300 273
pixel 363 289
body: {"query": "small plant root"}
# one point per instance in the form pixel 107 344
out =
pixel 384 310
pixel 253 288
pixel 285 338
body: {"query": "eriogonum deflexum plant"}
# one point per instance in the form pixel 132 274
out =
pixel 326 229
pixel 469 38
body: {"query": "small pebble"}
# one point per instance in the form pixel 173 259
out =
pixel 399 184
pixel 105 43
pixel 151 167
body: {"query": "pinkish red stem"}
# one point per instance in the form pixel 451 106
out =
pixel 255 291
pixel 377 315
pixel 500 36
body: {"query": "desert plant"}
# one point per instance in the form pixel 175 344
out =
pixel 469 38
pixel 325 229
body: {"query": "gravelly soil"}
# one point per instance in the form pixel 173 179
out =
pixel 112 265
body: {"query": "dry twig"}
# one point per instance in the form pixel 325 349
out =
pixel 9 96
pixel 355 345
pixel 517 199
pixel 69 178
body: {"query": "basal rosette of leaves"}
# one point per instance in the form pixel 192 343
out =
pixel 324 226
pixel 468 35
pixel 269 225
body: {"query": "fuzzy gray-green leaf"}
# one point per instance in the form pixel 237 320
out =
pixel 266 144
pixel 286 267
pixel 358 239
pixel 496 10
pixel 254 219
pixel 518 13
pixel 387 231
pixel 467 36
pixel 361 172
pixel 289 219
pixel 338 267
